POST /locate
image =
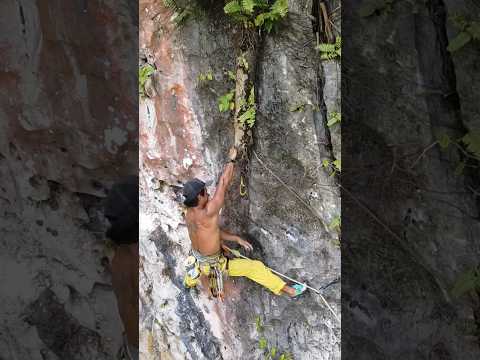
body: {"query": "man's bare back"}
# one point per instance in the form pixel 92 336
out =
pixel 204 231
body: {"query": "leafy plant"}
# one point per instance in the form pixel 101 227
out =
pixel 370 7
pixel 262 343
pixel 231 75
pixel 471 144
pixel 444 141
pixel 180 14
pixel 333 166
pixel 257 13
pixel 144 72
pixel 337 164
pixel 249 116
pixel 469 30
pixel 208 76
pixel 335 118
pixel 336 223
pixel 468 281
pixel 331 51
pixel 269 353
pixel 225 102
pixel 258 324
pixel 242 62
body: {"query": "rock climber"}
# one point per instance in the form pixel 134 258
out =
pixel 121 210
pixel 202 218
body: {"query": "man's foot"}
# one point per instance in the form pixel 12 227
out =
pixel 295 290
pixel 299 289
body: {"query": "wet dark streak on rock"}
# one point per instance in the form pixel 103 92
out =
pixel 193 322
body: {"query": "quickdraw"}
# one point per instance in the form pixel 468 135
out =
pixel 243 187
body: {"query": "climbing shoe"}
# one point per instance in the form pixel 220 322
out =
pixel 299 289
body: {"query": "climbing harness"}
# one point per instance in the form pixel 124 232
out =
pixel 238 254
pixel 213 266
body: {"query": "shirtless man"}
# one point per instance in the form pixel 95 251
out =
pixel 202 219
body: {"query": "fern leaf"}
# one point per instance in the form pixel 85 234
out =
pixel 232 8
pixel 467 282
pixel 248 117
pixel 459 41
pixel 260 19
pixel 326 48
pixel 472 141
pixel 171 4
pixel 280 7
pixel 251 97
pixel 248 5
pixel 269 26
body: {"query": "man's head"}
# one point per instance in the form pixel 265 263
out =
pixel 195 193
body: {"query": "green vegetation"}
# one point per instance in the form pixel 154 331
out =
pixel 248 108
pixel 331 51
pixel 225 102
pixel 335 224
pixel 182 13
pixel 467 282
pixel 335 118
pixel 469 145
pixel 469 31
pixel 334 167
pixel 250 112
pixel 269 353
pixel 203 77
pixel 144 72
pixel 257 13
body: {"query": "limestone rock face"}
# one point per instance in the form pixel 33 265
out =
pixel 67 132
pixel 183 134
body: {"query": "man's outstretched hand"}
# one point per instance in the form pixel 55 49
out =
pixel 232 153
pixel 245 244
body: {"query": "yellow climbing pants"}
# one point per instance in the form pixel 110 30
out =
pixel 252 269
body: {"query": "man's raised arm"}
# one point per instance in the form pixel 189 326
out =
pixel 214 205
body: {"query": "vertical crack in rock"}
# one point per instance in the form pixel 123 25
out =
pixel 320 116
pixel 442 99
pixel 22 18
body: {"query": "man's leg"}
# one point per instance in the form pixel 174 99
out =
pixel 255 270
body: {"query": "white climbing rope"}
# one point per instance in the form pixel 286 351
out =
pixel 238 254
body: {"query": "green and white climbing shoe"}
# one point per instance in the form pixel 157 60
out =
pixel 299 289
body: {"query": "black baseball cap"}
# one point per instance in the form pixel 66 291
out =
pixel 192 188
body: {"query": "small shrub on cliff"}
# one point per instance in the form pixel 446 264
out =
pixel 469 31
pixel 331 51
pixel 257 13
pixel 144 72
